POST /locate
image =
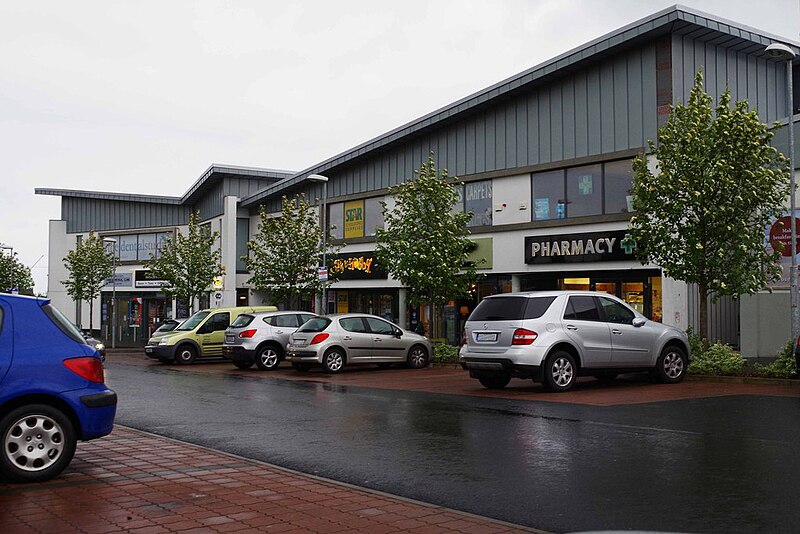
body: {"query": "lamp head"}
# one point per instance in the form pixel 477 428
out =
pixel 317 178
pixel 780 51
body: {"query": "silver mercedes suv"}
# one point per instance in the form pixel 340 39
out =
pixel 260 337
pixel 555 336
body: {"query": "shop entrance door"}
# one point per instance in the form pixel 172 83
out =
pixel 633 291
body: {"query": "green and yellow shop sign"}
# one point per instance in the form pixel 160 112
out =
pixel 354 219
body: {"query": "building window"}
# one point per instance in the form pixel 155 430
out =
pixel 139 247
pixel 357 218
pixel 373 215
pixel 584 191
pixel 242 236
pixel 336 220
pixel 475 197
pixel 618 177
pixel 549 200
pixel 581 191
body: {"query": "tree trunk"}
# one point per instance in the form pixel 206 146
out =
pixel 702 326
pixel 91 313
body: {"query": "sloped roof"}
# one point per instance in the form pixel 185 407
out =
pixel 676 19
pixel 207 180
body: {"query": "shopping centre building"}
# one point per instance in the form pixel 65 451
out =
pixel 545 157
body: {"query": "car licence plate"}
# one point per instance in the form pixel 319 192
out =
pixel 229 339
pixel 148 350
pixel 485 336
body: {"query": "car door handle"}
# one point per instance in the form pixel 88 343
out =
pixel 376 339
pixel 571 327
pixel 347 338
pixel 616 332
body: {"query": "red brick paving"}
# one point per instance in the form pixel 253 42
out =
pixel 136 482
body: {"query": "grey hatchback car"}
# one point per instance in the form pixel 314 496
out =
pixel 355 338
pixel 260 337
pixel 555 336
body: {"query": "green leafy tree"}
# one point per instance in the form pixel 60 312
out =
pixel 702 215
pixel 14 274
pixel 425 243
pixel 189 263
pixel 89 265
pixel 286 252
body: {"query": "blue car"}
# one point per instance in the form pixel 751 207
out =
pixel 52 390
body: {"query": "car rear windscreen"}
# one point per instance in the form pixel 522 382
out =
pixel 317 324
pixel 511 308
pixel 242 320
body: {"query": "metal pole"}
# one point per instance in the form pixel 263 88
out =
pixel 793 204
pixel 114 303
pixel 324 245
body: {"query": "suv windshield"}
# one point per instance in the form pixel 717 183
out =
pixel 192 322
pixel 317 324
pixel 242 320
pixel 511 308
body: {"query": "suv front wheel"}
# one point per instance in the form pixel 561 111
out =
pixel 560 371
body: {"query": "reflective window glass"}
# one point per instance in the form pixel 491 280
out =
pixel 478 200
pixel 584 191
pixel 377 326
pixel 336 220
pixel 582 309
pixel 548 195
pixel 616 312
pixel 618 176
pixel 352 324
pixel 373 215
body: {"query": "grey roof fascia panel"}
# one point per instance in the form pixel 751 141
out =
pixel 102 195
pixel 658 21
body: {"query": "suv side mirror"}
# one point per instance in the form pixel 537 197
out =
pixel 638 321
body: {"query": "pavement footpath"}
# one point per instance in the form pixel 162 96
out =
pixel 134 481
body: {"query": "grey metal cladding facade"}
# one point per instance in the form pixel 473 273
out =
pixel 755 78
pixel 604 107
pixel 85 214
pixel 210 203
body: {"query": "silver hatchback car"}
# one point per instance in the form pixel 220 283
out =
pixel 260 337
pixel 355 338
pixel 555 336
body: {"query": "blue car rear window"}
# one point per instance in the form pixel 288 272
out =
pixel 63 323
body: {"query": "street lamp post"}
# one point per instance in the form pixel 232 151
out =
pixel 324 225
pixel 113 243
pixel 781 51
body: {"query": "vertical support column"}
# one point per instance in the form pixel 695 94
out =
pixel 228 249
pixel 516 283
pixel 402 320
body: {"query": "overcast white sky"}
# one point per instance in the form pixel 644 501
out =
pixel 142 96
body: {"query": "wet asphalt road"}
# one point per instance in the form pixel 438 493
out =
pixel 727 464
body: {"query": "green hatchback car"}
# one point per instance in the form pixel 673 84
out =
pixel 199 336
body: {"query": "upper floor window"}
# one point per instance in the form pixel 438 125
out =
pixel 476 197
pixel 139 247
pixel 580 191
pixel 356 218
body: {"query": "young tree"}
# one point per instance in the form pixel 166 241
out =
pixel 425 243
pixel 703 214
pixel 286 252
pixel 189 263
pixel 89 265
pixel 13 274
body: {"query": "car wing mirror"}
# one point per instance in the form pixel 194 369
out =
pixel 398 333
pixel 638 321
